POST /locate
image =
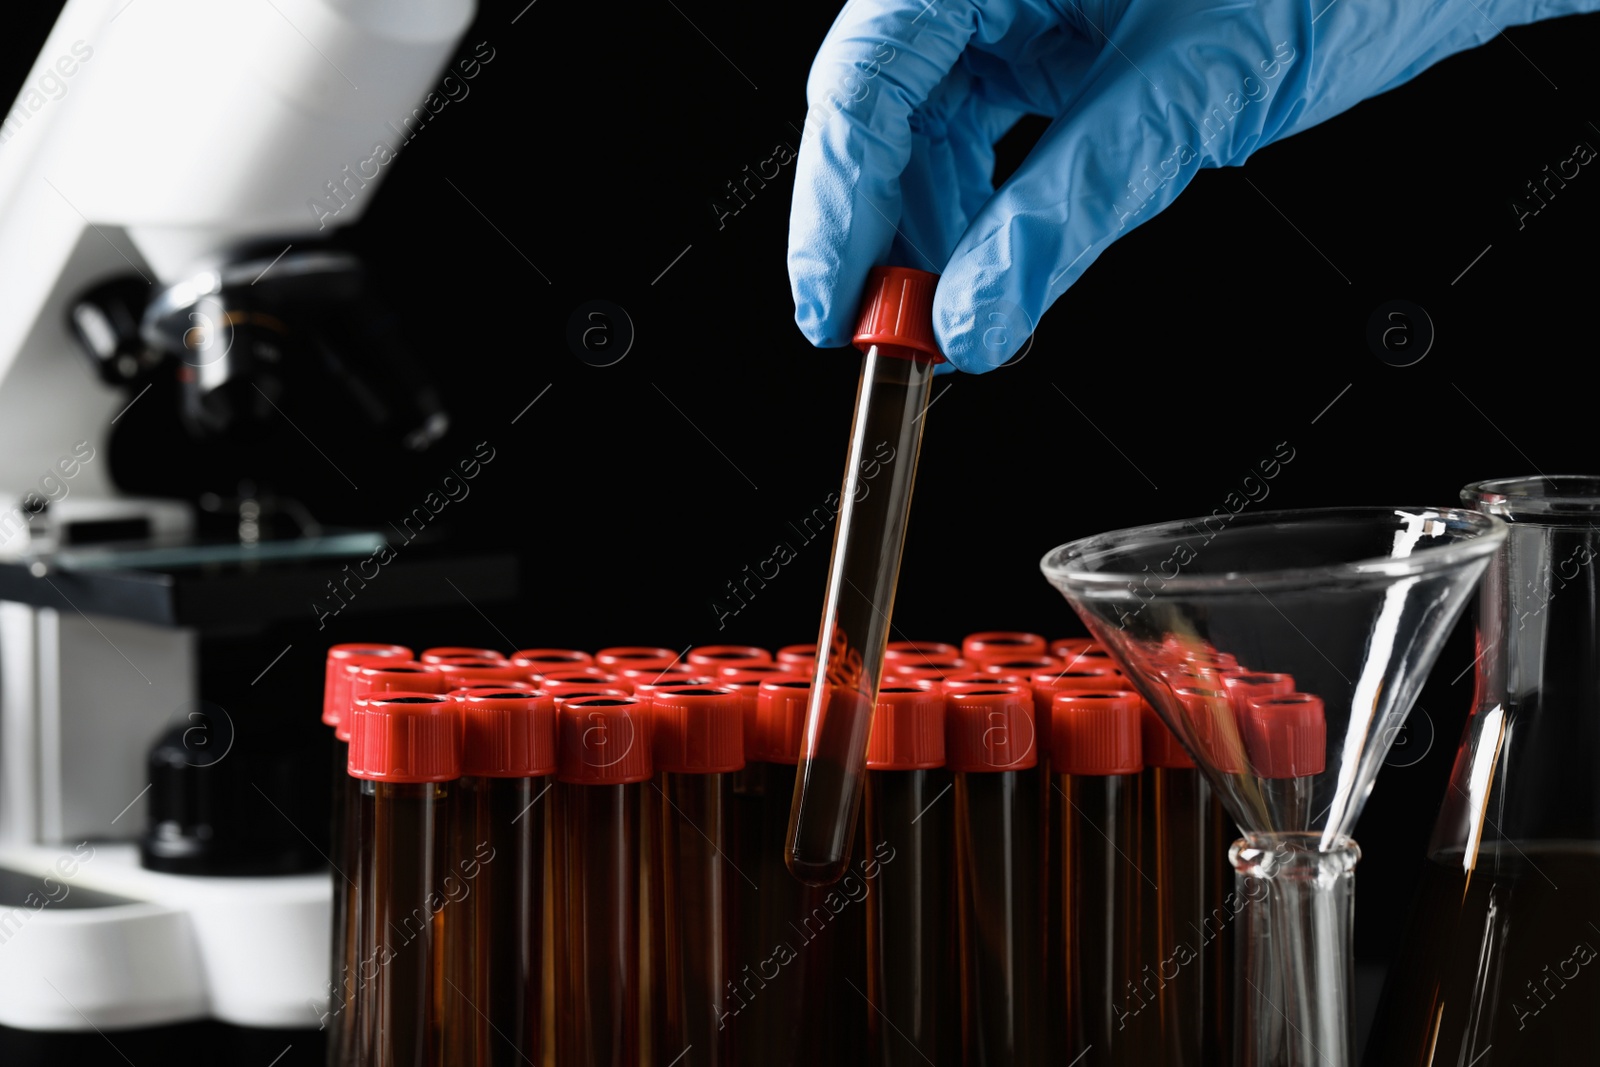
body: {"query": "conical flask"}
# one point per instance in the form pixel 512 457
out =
pixel 1284 649
pixel 1502 963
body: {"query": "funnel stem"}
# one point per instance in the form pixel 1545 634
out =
pixel 1294 982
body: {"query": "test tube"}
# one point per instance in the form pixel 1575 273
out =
pixel 991 745
pixel 1287 738
pixel 787 997
pixel 911 947
pixel 896 333
pixel 1002 644
pixel 698 745
pixel 406 749
pixel 364 680
pixel 603 759
pixel 1208 719
pixel 494 965
pixel 1045 685
pixel 1095 754
pixel 335 709
pixel 1176 804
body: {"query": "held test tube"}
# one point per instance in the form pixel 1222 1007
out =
pixel 896 333
pixel 406 749
pixel 991 745
pixel 603 761
pixel 911 947
pixel 494 955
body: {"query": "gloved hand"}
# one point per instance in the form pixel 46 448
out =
pixel 907 98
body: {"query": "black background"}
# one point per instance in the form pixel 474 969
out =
pixel 594 144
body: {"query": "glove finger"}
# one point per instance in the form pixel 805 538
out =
pixel 880 61
pixel 1140 125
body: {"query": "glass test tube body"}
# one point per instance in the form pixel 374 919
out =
pixel 787 996
pixel 403 831
pixel 494 968
pixel 344 848
pixel 1100 894
pixel 696 852
pixel 874 503
pixel 911 940
pixel 597 924
pixel 1176 806
pixel 1002 963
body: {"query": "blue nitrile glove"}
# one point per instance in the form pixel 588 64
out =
pixel 907 97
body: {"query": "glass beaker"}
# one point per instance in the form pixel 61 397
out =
pixel 1500 965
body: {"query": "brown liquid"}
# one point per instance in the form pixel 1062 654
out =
pixel 1502 968
pixel 494 968
pixel 1167 1014
pixel 1100 928
pixel 1000 911
pixel 911 936
pixel 597 925
pixel 697 917
pixel 402 923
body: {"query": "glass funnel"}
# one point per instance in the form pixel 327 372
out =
pixel 1501 961
pixel 1284 649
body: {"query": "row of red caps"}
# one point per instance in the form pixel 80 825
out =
pixel 620 714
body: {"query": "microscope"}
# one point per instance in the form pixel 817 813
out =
pixel 173 178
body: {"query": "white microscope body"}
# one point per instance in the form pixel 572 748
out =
pixel 151 137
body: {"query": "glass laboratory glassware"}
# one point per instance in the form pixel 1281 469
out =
pixel 992 749
pixel 495 878
pixel 911 942
pixel 602 765
pixel 896 333
pixel 698 743
pixel 1095 759
pixel 1353 604
pixel 1500 965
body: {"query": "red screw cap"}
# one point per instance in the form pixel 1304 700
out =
pixel 1161 746
pixel 916 653
pixel 907 729
pixel 582 678
pixel 697 730
pixel 1243 687
pixel 715 657
pixel 967 680
pixel 482 671
pixel 802 656
pixel 1068 647
pixel 644 679
pixel 1095 733
pixel 582 693
pixel 462 692
pixel 406 737
pixel 1002 644
pixel 444 652
pixel 1286 736
pixel 897 314
pixel 336 676
pixel 366 680
pixel 615 659
pixel 1023 665
pixel 551 659
pixel 780 719
pixel 602 741
pixel 1213 728
pixel 507 733
pixel 990 729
